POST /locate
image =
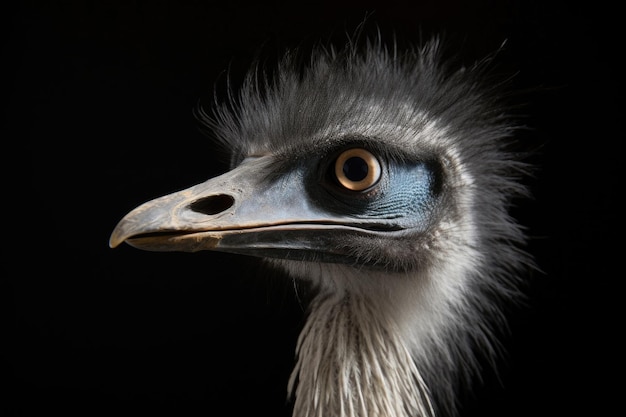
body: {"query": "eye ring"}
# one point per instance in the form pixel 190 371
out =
pixel 357 169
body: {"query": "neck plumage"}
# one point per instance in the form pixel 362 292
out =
pixel 352 361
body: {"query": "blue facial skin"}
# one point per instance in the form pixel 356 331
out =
pixel 404 197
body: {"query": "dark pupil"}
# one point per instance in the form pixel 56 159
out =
pixel 355 169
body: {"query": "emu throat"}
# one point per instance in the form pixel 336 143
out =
pixel 351 361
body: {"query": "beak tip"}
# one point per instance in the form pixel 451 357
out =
pixel 116 239
pixel 113 243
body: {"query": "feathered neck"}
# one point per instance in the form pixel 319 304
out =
pixel 352 361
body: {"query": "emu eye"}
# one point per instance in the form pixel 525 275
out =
pixel 357 169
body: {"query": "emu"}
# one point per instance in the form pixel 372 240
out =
pixel 383 178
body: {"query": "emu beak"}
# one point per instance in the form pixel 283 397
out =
pixel 243 211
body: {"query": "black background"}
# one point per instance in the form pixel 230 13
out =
pixel 98 118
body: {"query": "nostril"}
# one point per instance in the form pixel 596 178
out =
pixel 212 205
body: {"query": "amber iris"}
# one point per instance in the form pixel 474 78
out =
pixel 357 169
